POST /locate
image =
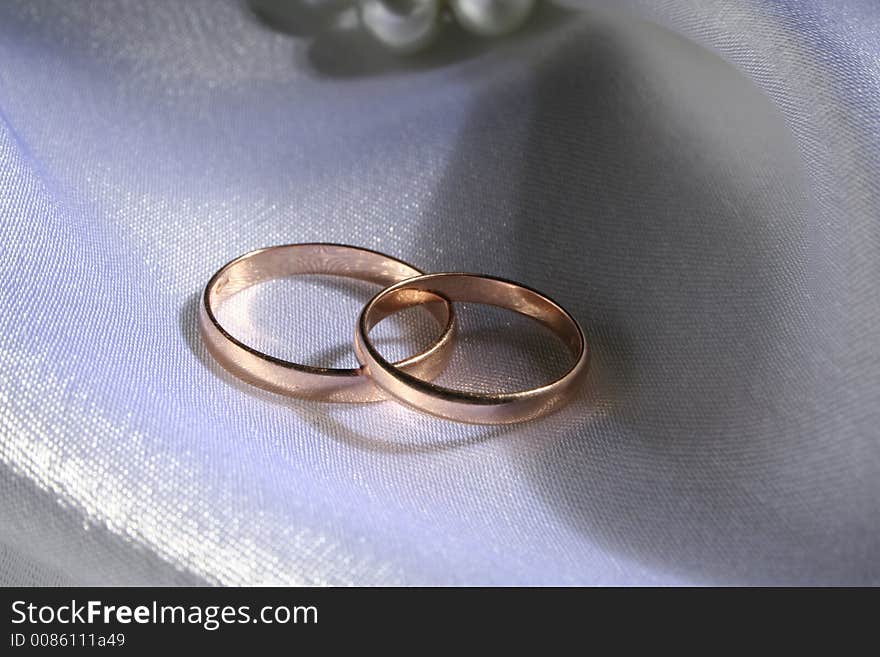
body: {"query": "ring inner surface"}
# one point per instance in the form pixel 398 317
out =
pixel 487 291
pixel 299 259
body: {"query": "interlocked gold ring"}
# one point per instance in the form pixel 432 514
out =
pixel 277 375
pixel 478 408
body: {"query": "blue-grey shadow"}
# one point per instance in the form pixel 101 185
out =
pixel 683 284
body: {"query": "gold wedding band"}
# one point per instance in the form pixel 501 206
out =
pixel 472 407
pixel 277 375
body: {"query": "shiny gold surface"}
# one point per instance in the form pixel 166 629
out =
pixel 477 408
pixel 277 375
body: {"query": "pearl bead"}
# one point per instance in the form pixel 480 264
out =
pixel 402 25
pixel 492 17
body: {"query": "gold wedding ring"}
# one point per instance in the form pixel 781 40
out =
pixel 459 405
pixel 408 381
pixel 323 383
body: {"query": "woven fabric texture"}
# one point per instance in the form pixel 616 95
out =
pixel 697 181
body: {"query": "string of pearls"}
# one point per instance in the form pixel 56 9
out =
pixel 407 26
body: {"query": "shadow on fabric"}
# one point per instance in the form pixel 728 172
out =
pixel 657 194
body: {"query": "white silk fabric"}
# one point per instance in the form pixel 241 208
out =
pixel 697 181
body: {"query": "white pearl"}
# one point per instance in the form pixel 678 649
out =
pixel 402 25
pixel 492 17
